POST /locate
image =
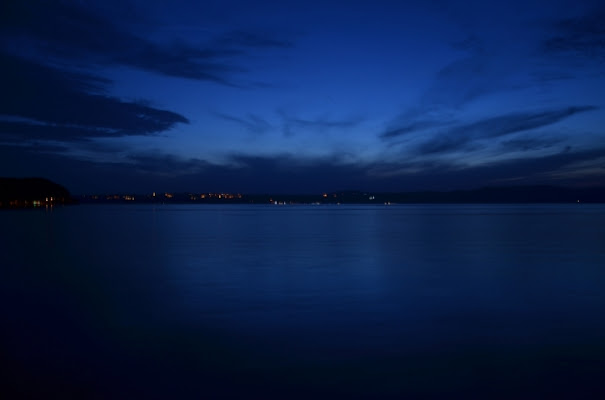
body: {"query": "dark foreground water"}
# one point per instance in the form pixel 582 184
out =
pixel 435 301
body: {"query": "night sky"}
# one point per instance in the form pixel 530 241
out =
pixel 302 97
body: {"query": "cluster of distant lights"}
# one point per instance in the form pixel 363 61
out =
pixel 154 195
pixel 204 196
pixel 114 197
pixel 47 202
pixel 215 196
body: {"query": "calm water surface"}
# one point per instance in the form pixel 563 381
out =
pixel 408 301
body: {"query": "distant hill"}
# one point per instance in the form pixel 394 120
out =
pixel 31 192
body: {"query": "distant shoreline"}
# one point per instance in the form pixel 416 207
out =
pixel 39 192
pixel 493 195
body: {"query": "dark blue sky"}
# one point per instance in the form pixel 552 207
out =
pixel 141 96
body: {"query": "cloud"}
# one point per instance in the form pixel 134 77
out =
pixel 402 128
pixel 464 80
pixel 307 175
pixel 490 63
pixel 43 102
pixel 529 143
pixel 293 125
pixel 482 70
pixel 32 130
pixel 407 128
pixel 166 165
pixel 462 136
pixel 70 31
pixel 582 36
pixel 295 174
pixel 286 173
pixel 250 122
pixel 563 168
pixel 36 147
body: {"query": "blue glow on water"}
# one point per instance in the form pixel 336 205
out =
pixel 417 300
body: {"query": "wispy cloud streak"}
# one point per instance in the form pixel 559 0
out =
pixel 48 103
pixel 71 31
pixel 251 122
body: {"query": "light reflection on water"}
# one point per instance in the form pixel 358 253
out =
pixel 426 300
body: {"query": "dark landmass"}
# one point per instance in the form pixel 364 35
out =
pixel 488 195
pixel 31 192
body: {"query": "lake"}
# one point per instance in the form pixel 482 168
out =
pixel 217 301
